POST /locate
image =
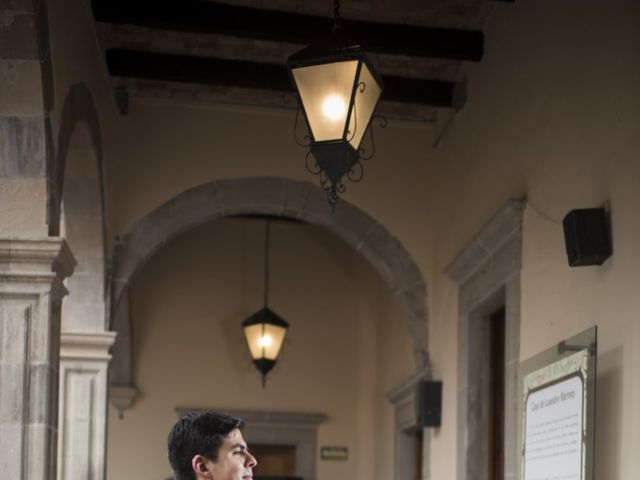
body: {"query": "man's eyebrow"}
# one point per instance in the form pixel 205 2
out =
pixel 240 446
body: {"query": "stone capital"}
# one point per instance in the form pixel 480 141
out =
pixel 86 345
pixel 36 257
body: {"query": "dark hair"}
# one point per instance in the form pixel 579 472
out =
pixel 198 433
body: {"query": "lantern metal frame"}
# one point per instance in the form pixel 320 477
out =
pixel 335 158
pixel 265 316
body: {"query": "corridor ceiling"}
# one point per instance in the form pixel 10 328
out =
pixel 235 52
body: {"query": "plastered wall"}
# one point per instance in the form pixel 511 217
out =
pixel 553 116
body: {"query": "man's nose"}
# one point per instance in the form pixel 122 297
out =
pixel 251 461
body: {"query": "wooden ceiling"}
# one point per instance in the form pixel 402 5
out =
pixel 235 51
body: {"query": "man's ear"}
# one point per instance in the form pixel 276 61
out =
pixel 199 465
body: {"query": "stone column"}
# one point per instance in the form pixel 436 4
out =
pixel 84 362
pixel 31 291
pixel 122 392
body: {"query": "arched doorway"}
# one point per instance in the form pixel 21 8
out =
pixel 278 197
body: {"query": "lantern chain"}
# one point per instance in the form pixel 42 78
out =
pixel 336 15
pixel 266 261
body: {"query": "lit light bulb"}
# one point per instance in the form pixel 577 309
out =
pixel 265 341
pixel 333 107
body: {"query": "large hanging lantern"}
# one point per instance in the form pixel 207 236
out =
pixel 265 331
pixel 338 90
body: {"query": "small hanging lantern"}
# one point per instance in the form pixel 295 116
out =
pixel 338 89
pixel 265 331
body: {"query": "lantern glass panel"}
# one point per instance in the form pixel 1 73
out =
pixel 253 333
pixel 265 340
pixel 367 93
pixel 325 91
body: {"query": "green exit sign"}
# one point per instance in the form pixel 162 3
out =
pixel 334 453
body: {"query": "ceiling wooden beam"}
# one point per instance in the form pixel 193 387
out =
pixel 263 76
pixel 217 18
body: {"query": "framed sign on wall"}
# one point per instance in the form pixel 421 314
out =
pixel 557 409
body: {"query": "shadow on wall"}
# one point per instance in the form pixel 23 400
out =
pixel 608 414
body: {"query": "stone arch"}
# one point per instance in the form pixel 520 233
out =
pixel 82 225
pixel 79 185
pixel 78 214
pixel 261 196
pixel 78 107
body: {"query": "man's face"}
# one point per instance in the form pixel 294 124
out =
pixel 234 460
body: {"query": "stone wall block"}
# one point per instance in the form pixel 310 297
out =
pixel 18 36
pixel 40 445
pixel 146 235
pixel 193 206
pixel 512 333
pixel 90 264
pixel 85 288
pixel 31 194
pixel 379 244
pixel 11 443
pixel 502 226
pixel 13 331
pixel 251 195
pixel 42 379
pixel 21 88
pixel 492 274
pixel 11 398
pixel 83 316
pixel 317 209
pixel 414 300
pixel 475 290
pixel 41 346
pixel 418 332
pixel 85 237
pixel 295 198
pixel 508 260
pixel 24 156
pixel 458 270
pixel 346 221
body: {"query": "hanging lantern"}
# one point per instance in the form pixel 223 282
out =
pixel 338 90
pixel 265 331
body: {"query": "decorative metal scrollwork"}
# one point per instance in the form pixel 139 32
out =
pixel 306 139
pixel 311 164
pixel 356 173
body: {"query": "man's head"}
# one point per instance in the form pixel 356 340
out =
pixel 209 445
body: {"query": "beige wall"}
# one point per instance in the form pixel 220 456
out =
pixel 188 304
pixel 554 114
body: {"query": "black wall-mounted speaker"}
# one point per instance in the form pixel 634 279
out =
pixel 586 236
pixel 429 403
